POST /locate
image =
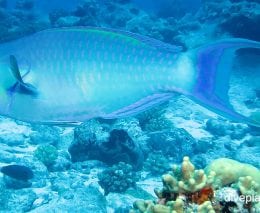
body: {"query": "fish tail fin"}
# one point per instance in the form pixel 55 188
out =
pixel 213 63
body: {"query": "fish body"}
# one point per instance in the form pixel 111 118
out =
pixel 82 73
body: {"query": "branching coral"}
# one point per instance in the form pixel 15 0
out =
pixel 149 206
pixel 186 179
pixel 206 207
pixel 182 187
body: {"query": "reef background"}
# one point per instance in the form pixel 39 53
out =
pixel 106 166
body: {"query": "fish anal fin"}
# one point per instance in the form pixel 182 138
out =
pixel 140 105
pixel 61 123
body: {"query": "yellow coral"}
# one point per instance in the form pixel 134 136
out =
pixel 176 206
pixel 248 186
pixel 150 207
pixel 206 207
pixel 190 180
pixel 229 171
pixel 144 205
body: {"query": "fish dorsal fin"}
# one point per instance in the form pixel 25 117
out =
pixel 150 41
pixel 20 86
pixel 144 39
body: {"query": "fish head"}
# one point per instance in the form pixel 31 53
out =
pixel 7 81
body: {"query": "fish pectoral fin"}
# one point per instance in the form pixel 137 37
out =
pixel 15 69
pixel 20 86
pixel 28 89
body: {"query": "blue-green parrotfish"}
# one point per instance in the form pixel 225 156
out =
pixel 70 75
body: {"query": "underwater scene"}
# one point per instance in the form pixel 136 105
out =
pixel 130 106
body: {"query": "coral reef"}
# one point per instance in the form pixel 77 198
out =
pixel 175 143
pixel 118 178
pixel 20 21
pixel 187 190
pixel 99 141
pixel 47 154
pixel 156 164
pixel 186 179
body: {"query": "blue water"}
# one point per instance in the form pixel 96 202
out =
pixel 45 6
pixel 106 165
pixel 169 8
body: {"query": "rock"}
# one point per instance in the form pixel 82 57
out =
pixel 176 143
pixel 62 163
pixel 67 21
pixel 132 127
pixel 86 166
pixel 213 148
pixel 43 197
pixel 17 201
pixel 56 14
pixel 253 141
pixel 248 155
pixel 24 4
pixel 239 132
pixel 40 171
pixel 124 149
pixel 43 134
pixel 62 182
pixel 67 137
pixel 91 132
pixel 204 145
pixel 95 141
pixel 6 156
pixel 120 203
pixel 11 183
pixel 242 26
pixel 218 128
pixel 13 134
pixel 87 199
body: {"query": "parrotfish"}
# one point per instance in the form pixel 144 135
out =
pixel 70 75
